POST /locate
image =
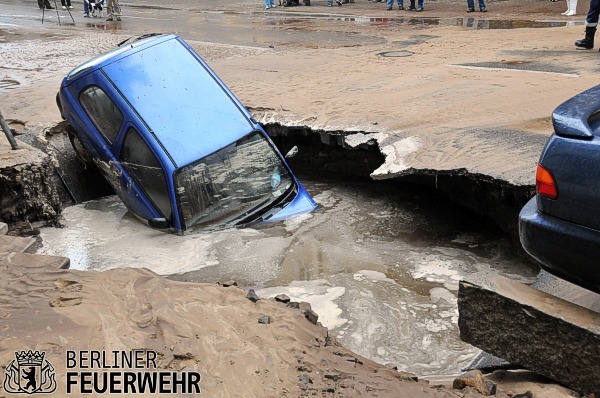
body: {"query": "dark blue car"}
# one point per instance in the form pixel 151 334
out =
pixel 560 226
pixel 177 146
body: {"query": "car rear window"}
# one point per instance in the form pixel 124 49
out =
pixel 139 160
pixel 102 111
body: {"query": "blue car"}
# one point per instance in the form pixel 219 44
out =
pixel 176 145
pixel 560 226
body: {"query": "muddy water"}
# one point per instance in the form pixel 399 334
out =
pixel 379 264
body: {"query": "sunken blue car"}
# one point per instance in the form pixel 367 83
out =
pixel 176 145
pixel 560 226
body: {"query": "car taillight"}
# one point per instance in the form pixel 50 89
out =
pixel 544 183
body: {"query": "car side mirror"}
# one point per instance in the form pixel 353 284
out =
pixel 159 223
pixel 293 152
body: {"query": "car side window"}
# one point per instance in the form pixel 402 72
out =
pixel 102 111
pixel 144 167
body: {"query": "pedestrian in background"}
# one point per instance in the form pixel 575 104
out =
pixel 471 6
pixel 571 8
pixel 113 9
pixel 45 3
pixel 420 5
pixel 390 4
pixel 591 22
pixel 269 4
pixel 66 4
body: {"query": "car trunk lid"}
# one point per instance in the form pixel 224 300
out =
pixel 572 158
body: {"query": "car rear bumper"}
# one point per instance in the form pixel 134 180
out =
pixel 567 250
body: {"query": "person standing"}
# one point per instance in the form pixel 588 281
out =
pixel 571 8
pixel 113 9
pixel 390 4
pixel 66 4
pixel 420 5
pixel 591 22
pixel 45 3
pixel 471 6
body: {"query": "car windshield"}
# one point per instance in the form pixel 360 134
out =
pixel 232 184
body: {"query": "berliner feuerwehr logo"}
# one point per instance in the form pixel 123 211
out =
pixel 29 373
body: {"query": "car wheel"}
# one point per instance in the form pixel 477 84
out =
pixel 80 151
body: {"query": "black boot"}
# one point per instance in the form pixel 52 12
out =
pixel 588 41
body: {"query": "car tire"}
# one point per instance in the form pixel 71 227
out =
pixel 80 151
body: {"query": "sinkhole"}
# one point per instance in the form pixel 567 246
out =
pixel 379 261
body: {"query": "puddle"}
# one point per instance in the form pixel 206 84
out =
pixel 396 54
pixel 379 264
pixel 523 65
pixel 104 26
pixel 469 22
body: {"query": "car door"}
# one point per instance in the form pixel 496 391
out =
pixel 98 132
pixel 143 182
pixel 109 117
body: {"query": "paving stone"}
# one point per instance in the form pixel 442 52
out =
pixel 252 296
pixel 282 298
pixel 311 316
pixel 475 379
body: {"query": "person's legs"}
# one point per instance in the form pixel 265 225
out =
pixel 421 5
pixel 591 23
pixel 117 9
pixel 470 5
pixel 390 4
pixel 572 8
pixel 481 5
pixel 593 13
pixel 109 10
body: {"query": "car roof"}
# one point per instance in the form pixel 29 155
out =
pixel 180 99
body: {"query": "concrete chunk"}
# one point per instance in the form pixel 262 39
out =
pixel 22 260
pixel 525 326
pixel 3 228
pixel 16 244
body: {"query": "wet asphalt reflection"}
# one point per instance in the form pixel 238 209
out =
pixel 380 264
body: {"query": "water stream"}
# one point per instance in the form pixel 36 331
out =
pixel 379 263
